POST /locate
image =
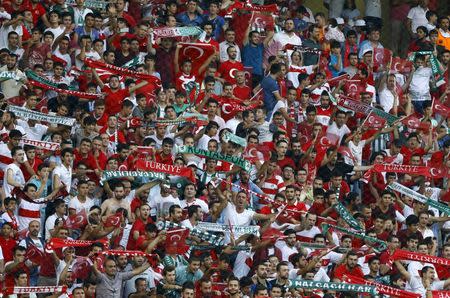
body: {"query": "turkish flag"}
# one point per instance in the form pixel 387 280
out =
pixel 197 53
pixel 333 82
pixel 441 108
pixel 81 268
pixel 272 234
pixel 381 57
pixel 399 65
pixel 134 122
pixel 77 220
pixel 113 220
pixel 248 70
pixel 327 140
pixel 176 241
pixel 353 88
pixel 34 254
pixel 413 122
pixel 374 121
pixel 261 21
pixel 256 152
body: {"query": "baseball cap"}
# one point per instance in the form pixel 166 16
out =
pixel 340 21
pixel 360 23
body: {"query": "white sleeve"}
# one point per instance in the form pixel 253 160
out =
pixel 411 14
pixel 1 253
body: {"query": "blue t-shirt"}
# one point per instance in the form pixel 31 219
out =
pixel 269 86
pixel 218 22
pixel 333 61
pixel 252 56
pixel 184 19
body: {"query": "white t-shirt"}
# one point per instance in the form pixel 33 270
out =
pixel 283 38
pixel 339 131
pixel 386 99
pixel 75 203
pixel 417 15
pixel 201 203
pixel 33 133
pixel 415 285
pixel 420 84
pixel 91 55
pixel 229 215
pixel 17 177
pixel 279 105
pixel 50 224
pixel 129 286
pixel 356 151
pixel 64 174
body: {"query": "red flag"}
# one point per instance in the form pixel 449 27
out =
pixel 381 57
pixel 440 108
pixel 374 121
pixel 256 152
pixel 413 122
pixel 327 140
pixel 34 254
pixel 163 168
pixel 198 53
pixel 77 220
pixel 81 268
pixel 333 82
pixel 399 65
pixel 134 122
pixel 353 88
pixel 345 151
pixel 176 241
pixel 248 70
pixel 261 21
pixel 113 220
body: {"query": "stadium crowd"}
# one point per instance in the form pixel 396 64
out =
pixel 207 148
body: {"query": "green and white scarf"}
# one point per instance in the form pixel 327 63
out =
pixel 34 115
pixel 237 230
pixel 382 244
pixel 333 286
pixel 204 235
pixel 347 217
pixel 230 137
pixel 107 175
pixel 240 162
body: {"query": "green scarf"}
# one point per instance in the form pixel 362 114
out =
pixel 347 217
pixel 382 243
pixel 333 286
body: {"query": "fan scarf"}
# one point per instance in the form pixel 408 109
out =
pixel 29 114
pixel 176 31
pixel 9 75
pixel 121 71
pixel 107 175
pixel 101 5
pixel 41 144
pixel 60 243
pixel 237 230
pixel 210 247
pixel 400 254
pixel 347 217
pixel 27 290
pixel 383 245
pixel 413 170
pixel 382 289
pixel 418 197
pixel 35 77
pixel 433 61
pixel 302 49
pixel 359 107
pixel 64 91
pixel 230 137
pixel 204 235
pixel 128 253
pixel 333 286
pixel 240 162
pixel 163 168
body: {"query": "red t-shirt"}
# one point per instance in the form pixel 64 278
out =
pixel 228 70
pixel 342 270
pixel 407 153
pixel 182 79
pixel 7 248
pixel 114 100
pixel 168 160
pixel 243 92
pixel 139 226
pixel 120 135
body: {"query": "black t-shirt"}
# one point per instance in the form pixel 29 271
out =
pixel 324 172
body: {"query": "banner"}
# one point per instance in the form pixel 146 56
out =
pixel 441 108
pixel 419 197
pixel 232 108
pixel 60 243
pixel 139 59
pixel 382 289
pixel 152 166
pixel 399 65
pixel 440 294
pixel 383 245
pixel 381 56
pixel 128 253
pixel 240 162
pixel 107 175
pixel 237 230
pixel 360 107
pixel 261 21
pixel 29 114
pixel 64 91
pixel 77 221
pixel 41 144
pixel 230 137
pixel 413 170
pixel 374 121
pixel 176 241
pixel 248 6
pixel 347 216
pixel 162 32
pixel 333 286
pixel 204 235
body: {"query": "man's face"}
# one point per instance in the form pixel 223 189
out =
pixel 283 272
pixel 141 286
pixel 192 6
pixel 444 24
pixel 289 26
pixel 316 34
pixel 375 266
pixel 261 272
pixel 34 228
pixel 13 40
pixel 311 221
pixel 233 287
pixel 194 265
pixel 11 62
pixel 119 192
pixel 189 191
pixel 188 293
pixel 375 35
pixel 230 36
pixel 352 261
pixel 22 280
pixel 20 156
pixel 110 267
